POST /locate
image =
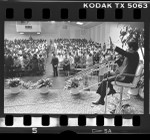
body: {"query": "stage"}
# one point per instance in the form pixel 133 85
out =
pixel 59 101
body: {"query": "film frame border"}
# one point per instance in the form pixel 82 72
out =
pixel 108 18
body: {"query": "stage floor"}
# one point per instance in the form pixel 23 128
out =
pixel 60 101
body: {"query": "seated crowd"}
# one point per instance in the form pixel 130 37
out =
pixel 25 57
pixel 79 53
pixel 28 57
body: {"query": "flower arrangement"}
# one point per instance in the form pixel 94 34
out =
pixel 139 89
pixel 140 85
pixel 141 82
pixel 15 82
pixel 73 82
pixel 44 83
pixel 128 109
pixel 128 33
pixel 27 85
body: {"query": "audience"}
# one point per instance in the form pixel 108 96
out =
pixel 80 52
pixel 28 57
pixel 25 57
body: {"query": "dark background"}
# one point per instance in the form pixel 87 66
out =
pixel 73 15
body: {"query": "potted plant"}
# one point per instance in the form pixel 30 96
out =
pixel 14 85
pixel 27 85
pixel 127 34
pixel 44 85
pixel 141 87
pixel 139 90
pixel 73 85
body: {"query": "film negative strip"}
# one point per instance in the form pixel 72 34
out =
pixel 75 67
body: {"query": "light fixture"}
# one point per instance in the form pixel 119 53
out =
pixel 38 33
pixel 21 33
pixel 79 23
pixel 52 21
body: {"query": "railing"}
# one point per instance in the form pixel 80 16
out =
pixel 103 69
pixel 89 70
pixel 99 70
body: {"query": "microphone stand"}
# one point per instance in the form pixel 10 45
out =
pixel 106 94
pixel 108 70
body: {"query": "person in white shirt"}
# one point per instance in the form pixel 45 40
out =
pixel 71 59
pixel 21 60
pixel 104 50
pixel 17 65
pixel 58 51
pixel 89 60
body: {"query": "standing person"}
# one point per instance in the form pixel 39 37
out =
pixel 71 59
pixel 89 60
pixel 41 64
pixel 100 47
pixel 89 63
pixel 104 50
pixel 66 65
pixel 25 64
pixel 9 62
pixel 20 57
pixel 34 64
pixel 97 57
pixel 129 66
pixel 94 58
pixel 55 62
pixel 17 66
pixel 77 60
pixel 52 47
pixel 83 61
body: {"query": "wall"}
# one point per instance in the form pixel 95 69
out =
pixel 102 32
pixel 48 31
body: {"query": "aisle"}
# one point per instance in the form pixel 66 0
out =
pixel 48 67
pixel 58 82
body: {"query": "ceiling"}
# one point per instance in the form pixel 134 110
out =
pixel 86 25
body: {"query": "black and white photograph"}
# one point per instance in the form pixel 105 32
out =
pixel 68 67
pixel 149 72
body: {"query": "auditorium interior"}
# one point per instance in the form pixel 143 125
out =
pixel 84 54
